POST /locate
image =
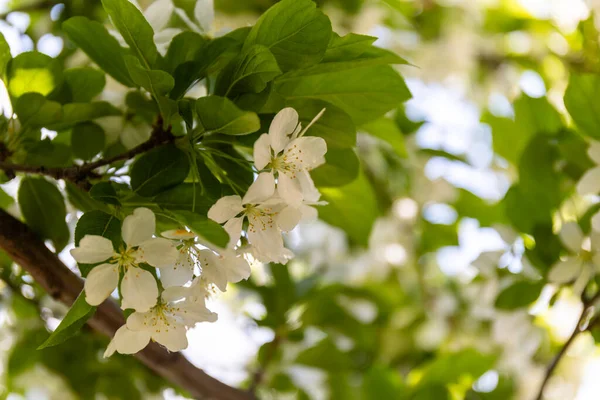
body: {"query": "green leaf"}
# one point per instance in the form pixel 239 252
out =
pixel 519 294
pixel 387 130
pixel 382 382
pixel 204 227
pixel 341 167
pixel 87 140
pixel 155 81
pixel 97 223
pixel 295 31
pixel 134 28
pixel 74 113
pixel 34 110
pixel 326 356
pixel 82 200
pixel 187 196
pixel 5 199
pixel 352 207
pixel 159 170
pixel 76 317
pixel 5 55
pixel 100 46
pixel 363 92
pixel 84 83
pixel 43 208
pixel 335 126
pixel 49 153
pixel 33 72
pixel 249 72
pixel 353 47
pixel 581 102
pixel 105 192
pixel 219 114
pixel 184 47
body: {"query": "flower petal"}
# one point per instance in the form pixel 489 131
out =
pixel 100 283
pixel 175 293
pixel 261 189
pixel 571 236
pixel 158 14
pixel 310 193
pixel 139 289
pixel 212 270
pixel 178 234
pixel 589 182
pixel 289 190
pixel 158 252
pixel 204 12
pixel 236 267
pixel 596 222
pixel 139 226
pixel 178 273
pixel 93 249
pixel 594 151
pixel 307 152
pixel 173 338
pixel 565 270
pixel 262 151
pixel 225 208
pixel 234 228
pixel 137 321
pixel 283 125
pixel 265 236
pixel 192 313
pixel 127 341
pixel 288 218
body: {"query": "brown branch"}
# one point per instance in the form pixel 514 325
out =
pixel 587 307
pixel 27 250
pixel 79 174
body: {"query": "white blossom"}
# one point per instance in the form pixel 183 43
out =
pixel 285 152
pixel 166 323
pixel 138 286
pixel 219 269
pixel 590 181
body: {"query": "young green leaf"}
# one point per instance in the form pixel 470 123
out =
pixel 185 47
pixel 33 72
pixel 159 170
pixel 34 110
pixel 5 55
pixel 105 192
pixel 99 223
pixel 204 227
pixel 84 83
pixel 341 168
pixel 219 114
pixel 363 92
pixel 387 130
pixel 87 140
pixel 93 38
pixel 580 100
pixel 187 196
pixel 249 72
pixel 43 208
pixel 134 28
pixel 353 47
pixel 156 82
pixel 76 317
pixel 519 294
pixel 295 31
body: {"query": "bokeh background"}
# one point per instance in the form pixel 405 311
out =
pixel 405 295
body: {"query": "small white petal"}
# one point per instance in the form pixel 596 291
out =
pixel 139 290
pixel 283 125
pixel 212 269
pixel 236 267
pixel 310 193
pixel 262 151
pixel 565 270
pixel 173 338
pixel 178 273
pixel 594 151
pixel 192 313
pixel 289 190
pixel 571 236
pixel 136 321
pixel 261 189
pixel 234 228
pixel 158 252
pixel 158 14
pixel 589 182
pixel 139 226
pixel 265 237
pixel 307 152
pixel 178 234
pixel 596 222
pixel 127 341
pixel 225 208
pixel 100 283
pixel 93 249
pixel 175 293
pixel 204 12
pixel 288 218
pixel 309 213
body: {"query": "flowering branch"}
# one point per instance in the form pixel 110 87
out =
pixel 583 324
pixel 79 174
pixel 27 250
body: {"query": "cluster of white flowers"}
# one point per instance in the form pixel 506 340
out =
pixel 166 304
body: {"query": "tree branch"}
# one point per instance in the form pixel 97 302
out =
pixel 27 250
pixel 79 174
pixel 587 307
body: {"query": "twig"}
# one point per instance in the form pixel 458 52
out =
pixel 27 250
pixel 587 306
pixel 79 174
